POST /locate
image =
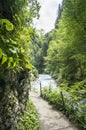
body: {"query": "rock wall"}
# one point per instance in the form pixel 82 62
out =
pixel 14 93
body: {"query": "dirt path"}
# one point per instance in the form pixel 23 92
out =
pixel 50 119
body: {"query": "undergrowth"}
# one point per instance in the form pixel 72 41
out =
pixel 71 101
pixel 29 120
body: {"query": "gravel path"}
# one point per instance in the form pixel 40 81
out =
pixel 50 119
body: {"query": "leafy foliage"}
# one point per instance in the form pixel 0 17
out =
pixel 66 56
pixel 29 120
pixel 15 31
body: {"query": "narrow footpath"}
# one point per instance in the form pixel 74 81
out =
pixel 50 119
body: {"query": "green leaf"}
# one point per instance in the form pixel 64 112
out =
pixel 9 25
pixel 4 59
pixel 14 65
pixel 10 61
pixel 0 53
pixel 13 42
pixel 29 66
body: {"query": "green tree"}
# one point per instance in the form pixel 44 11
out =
pixel 70 39
pixel 38 50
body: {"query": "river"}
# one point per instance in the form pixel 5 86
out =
pixel 45 80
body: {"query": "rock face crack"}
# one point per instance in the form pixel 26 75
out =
pixel 50 119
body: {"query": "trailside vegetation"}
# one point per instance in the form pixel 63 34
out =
pixel 29 120
pixel 69 100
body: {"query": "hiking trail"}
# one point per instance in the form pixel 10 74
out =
pixel 50 119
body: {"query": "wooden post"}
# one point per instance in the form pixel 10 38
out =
pixel 40 89
pixel 49 88
pixel 63 100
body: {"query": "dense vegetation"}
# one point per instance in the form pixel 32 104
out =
pixel 29 120
pixel 66 57
pixel 15 30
